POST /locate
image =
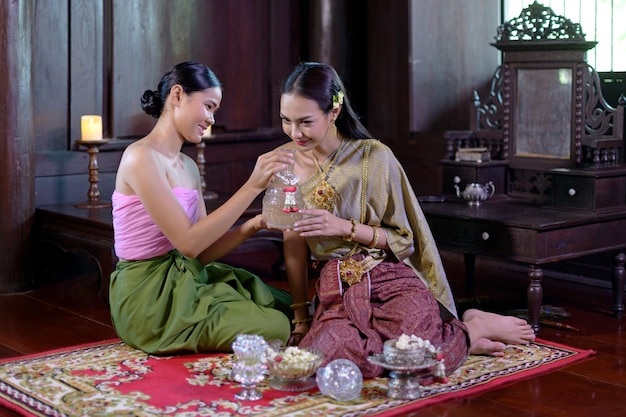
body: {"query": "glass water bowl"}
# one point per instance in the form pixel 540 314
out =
pixel 292 368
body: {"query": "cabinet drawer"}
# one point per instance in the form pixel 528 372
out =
pixel 576 192
pixel 482 238
pixel 586 192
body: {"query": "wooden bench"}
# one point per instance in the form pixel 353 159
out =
pixel 90 231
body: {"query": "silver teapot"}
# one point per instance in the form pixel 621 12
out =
pixel 474 193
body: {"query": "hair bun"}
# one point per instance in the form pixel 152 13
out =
pixel 151 103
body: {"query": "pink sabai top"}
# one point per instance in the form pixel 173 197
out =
pixel 136 235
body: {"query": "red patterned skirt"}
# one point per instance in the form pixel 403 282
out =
pixel 390 300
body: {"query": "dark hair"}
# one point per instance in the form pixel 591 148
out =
pixel 320 82
pixel 191 76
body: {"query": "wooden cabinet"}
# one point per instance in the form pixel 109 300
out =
pixel 522 232
pixel 560 159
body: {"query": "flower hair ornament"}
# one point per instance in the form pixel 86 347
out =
pixel 337 100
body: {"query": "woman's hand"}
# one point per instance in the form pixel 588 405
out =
pixel 258 222
pixel 319 222
pixel 267 165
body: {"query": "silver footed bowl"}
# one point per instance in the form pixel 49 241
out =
pixel 402 357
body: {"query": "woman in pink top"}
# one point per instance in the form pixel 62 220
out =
pixel 167 293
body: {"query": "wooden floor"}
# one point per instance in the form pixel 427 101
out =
pixel 69 312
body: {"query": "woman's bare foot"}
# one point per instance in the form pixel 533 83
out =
pixel 497 328
pixel 484 346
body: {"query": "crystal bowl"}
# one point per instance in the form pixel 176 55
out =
pixel 292 368
pixel 402 357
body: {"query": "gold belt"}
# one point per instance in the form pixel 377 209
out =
pixel 352 270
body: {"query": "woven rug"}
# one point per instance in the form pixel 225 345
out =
pixel 112 379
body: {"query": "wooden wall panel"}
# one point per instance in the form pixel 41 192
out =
pixel 50 79
pixel 148 39
pixel 99 57
pixel 284 52
pixel 63 176
pixel 388 72
pixel 233 38
pixel 119 49
pixel 86 72
pixel 450 56
pixel 242 30
pixel 73 188
pixel 426 58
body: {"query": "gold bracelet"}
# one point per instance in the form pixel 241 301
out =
pixel 352 232
pixel 374 239
pixel 299 305
pixel 301 321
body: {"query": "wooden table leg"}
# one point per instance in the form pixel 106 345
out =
pixel 535 296
pixel 618 284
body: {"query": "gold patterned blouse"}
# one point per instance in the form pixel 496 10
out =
pixel 390 204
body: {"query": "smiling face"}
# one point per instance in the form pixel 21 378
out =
pixel 197 112
pixel 306 124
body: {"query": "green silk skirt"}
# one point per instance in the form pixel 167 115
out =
pixel 173 303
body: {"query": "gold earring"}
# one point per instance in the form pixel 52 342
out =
pixel 333 129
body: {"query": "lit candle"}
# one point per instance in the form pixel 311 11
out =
pixel 207 132
pixel 91 127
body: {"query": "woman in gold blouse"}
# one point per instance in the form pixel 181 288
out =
pixel 381 275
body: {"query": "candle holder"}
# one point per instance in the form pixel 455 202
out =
pixel 201 161
pixel 93 194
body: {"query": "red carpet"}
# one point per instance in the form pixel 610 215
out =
pixel 112 379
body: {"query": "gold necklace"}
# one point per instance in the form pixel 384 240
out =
pixel 324 196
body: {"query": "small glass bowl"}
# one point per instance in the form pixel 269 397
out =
pixel 291 375
pixel 402 357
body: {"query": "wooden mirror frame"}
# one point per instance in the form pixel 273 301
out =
pixel 553 112
pixel 593 132
pixel 542 83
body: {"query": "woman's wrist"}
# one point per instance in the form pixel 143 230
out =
pixel 374 240
pixel 353 228
pixel 370 240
